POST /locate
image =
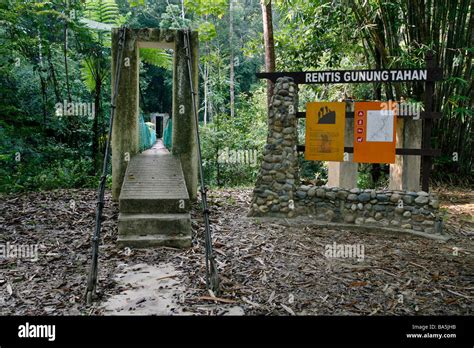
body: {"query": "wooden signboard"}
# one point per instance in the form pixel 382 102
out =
pixel 325 124
pixel 358 76
pixel 374 150
pixel 374 133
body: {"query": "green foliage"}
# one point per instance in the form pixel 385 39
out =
pixel 314 171
pixel 365 178
pixel 45 169
pixel 207 7
pixel 87 76
pixel 156 57
pixel 136 3
pixel 207 31
pixel 102 11
pixel 364 181
pixel 245 133
pixel 172 19
pixel 93 67
pixel 309 34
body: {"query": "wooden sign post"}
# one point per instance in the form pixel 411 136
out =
pixel 428 75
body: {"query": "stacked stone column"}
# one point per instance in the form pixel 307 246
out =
pixel 274 192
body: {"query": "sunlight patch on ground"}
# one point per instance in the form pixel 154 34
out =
pixel 147 290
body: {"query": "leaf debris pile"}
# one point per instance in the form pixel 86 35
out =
pixel 265 268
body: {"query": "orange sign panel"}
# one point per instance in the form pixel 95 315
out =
pixel 374 133
pixel 325 123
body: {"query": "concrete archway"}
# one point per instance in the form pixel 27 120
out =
pixel 125 128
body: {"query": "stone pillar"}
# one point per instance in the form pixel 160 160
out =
pixel 278 179
pixel 184 143
pixel 344 174
pixel 125 128
pixel 405 172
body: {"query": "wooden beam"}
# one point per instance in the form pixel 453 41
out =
pixel 402 151
pixel 358 76
pixel 423 115
pixel 427 125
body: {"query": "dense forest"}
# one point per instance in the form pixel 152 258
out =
pixel 203 158
pixel 55 73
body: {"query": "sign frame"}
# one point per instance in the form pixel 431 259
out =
pixel 433 74
pixel 345 76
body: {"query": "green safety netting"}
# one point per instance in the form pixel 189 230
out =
pixel 167 134
pixel 147 135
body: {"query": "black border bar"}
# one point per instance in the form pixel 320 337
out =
pixel 225 330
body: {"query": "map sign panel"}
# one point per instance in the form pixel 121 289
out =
pixel 380 125
pixel 374 133
pixel 325 123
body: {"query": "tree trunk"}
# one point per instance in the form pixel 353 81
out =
pixel 66 68
pixel 205 77
pixel 269 43
pixel 44 97
pixel 52 73
pixel 95 125
pixel 42 80
pixel 231 58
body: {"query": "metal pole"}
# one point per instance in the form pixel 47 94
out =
pixel 92 279
pixel 212 277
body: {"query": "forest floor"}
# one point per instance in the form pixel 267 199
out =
pixel 265 268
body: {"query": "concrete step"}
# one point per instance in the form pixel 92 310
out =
pixel 154 241
pixel 154 224
pixel 149 205
pixel 154 203
pixel 154 184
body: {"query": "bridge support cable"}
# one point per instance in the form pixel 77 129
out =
pixel 212 277
pixel 92 279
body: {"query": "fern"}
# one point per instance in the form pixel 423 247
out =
pixel 87 77
pixel 157 57
pixel 102 11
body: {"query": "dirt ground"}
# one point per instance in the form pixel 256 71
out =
pixel 266 268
